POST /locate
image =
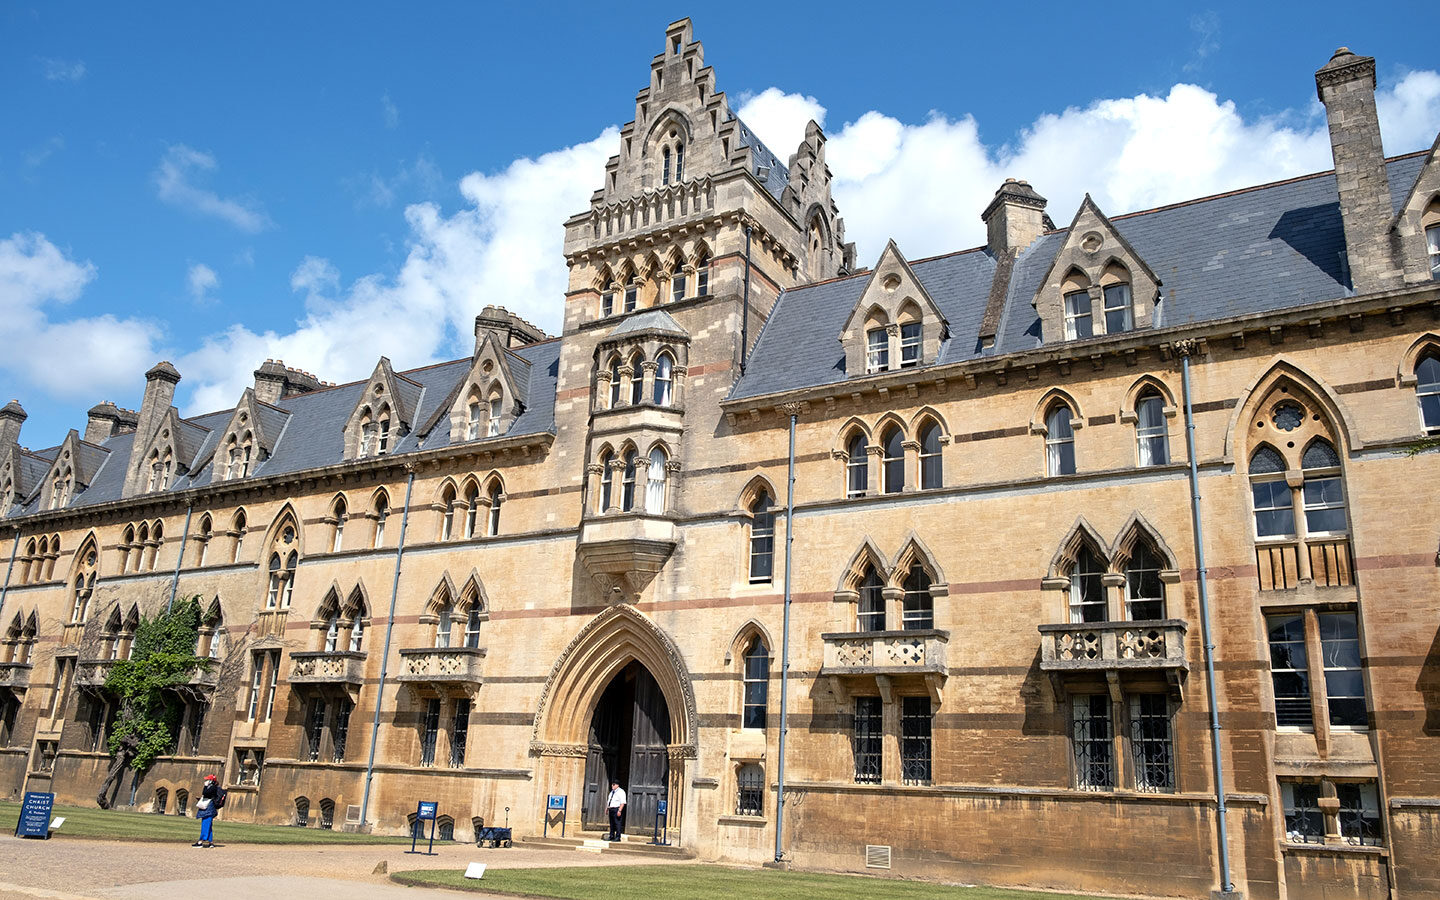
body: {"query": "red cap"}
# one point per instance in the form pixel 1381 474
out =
pixel 211 778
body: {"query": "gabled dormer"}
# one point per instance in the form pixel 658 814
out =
pixel 492 395
pixel 384 414
pixel 1416 227
pixel 247 439
pixel 1097 283
pixel 72 470
pixel 171 451
pixel 895 324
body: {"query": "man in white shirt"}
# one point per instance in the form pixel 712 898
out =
pixel 616 807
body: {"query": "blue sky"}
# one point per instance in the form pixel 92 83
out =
pixel 216 185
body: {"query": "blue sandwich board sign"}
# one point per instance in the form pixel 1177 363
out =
pixel 34 818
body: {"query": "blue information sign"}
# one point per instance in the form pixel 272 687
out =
pixel 661 807
pixel 426 812
pixel 555 801
pixel 34 818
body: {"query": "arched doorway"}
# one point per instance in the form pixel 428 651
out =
pixel 619 668
pixel 629 737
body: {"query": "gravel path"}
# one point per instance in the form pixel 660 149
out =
pixel 76 869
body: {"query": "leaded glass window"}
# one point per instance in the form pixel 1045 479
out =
pixel 1151 431
pixel 857 467
pixel 919 607
pixel 762 539
pixel 931 472
pixel 1059 441
pixel 1087 590
pixel 1144 591
pixel 893 465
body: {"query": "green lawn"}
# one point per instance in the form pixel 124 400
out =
pixel 695 882
pixel 90 822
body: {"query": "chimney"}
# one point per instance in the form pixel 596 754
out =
pixel 509 329
pixel 12 416
pixel 159 396
pixel 101 422
pixel 1346 85
pixel 1014 219
pixel 274 381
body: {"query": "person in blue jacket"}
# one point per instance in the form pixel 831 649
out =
pixel 205 811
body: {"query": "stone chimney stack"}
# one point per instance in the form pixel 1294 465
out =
pixel 159 397
pixel 12 416
pixel 101 422
pixel 1346 85
pixel 274 381
pixel 1014 219
pixel 509 329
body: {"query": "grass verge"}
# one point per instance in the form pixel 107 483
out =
pixel 123 825
pixel 699 882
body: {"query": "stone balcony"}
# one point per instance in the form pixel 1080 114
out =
pixel 623 551
pixel 90 674
pixel 1110 648
pixel 340 668
pixel 15 675
pixel 442 671
pixel 883 658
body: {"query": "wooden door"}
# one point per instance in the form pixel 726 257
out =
pixel 649 756
pixel 602 761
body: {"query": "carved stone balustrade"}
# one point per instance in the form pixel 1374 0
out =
pixel 328 667
pixel 442 671
pixel 1110 648
pixel 90 674
pixel 15 675
pixel 885 659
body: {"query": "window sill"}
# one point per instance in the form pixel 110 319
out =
pixel 1339 849
pixel 743 821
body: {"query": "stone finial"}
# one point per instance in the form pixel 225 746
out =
pixel 13 410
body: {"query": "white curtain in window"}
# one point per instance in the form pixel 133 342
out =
pixel 655 482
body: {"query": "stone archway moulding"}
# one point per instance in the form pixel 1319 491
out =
pixel 607 644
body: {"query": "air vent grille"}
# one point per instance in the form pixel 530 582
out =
pixel 877 857
pixel 352 814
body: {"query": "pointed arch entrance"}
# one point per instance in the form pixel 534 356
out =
pixel 618 704
pixel 629 745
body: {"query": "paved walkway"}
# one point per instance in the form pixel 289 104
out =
pixel 76 869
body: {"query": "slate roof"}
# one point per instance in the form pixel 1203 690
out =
pixel 778 177
pixel 651 320
pixel 1257 250
pixel 309 428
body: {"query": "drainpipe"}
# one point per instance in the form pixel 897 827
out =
pixel 745 309
pixel 184 536
pixel 793 410
pixel 385 655
pixel 1185 349
pixel 5 588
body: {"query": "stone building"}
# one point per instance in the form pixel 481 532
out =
pixel 561 560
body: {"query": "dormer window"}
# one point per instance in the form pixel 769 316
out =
pixel 383 434
pixel 877 350
pixel 909 344
pixel 494 428
pixel 1432 245
pixel 1077 315
pixel 1118 308
pixel 1427 391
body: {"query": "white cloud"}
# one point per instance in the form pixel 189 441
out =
pixel 174 182
pixel 504 247
pixel 925 183
pixel 62 70
pixel 201 279
pixel 36 280
pixel 36 156
pixel 389 111
pixel 421 180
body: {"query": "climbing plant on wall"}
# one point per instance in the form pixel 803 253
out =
pixel 143 685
